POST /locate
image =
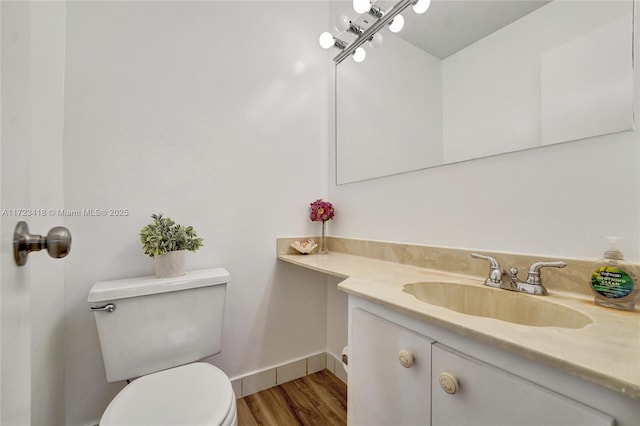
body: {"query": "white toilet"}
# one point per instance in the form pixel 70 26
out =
pixel 152 330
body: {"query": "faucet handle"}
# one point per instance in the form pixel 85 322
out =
pixel 533 285
pixel 535 267
pixel 493 263
pixel 533 275
pixel 495 271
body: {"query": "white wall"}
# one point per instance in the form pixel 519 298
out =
pixel 558 200
pixel 214 113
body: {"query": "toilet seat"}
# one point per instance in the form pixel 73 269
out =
pixel 192 394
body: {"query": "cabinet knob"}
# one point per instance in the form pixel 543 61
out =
pixel 448 383
pixel 406 358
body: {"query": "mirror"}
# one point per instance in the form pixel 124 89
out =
pixel 470 79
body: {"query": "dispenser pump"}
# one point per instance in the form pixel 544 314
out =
pixel 613 252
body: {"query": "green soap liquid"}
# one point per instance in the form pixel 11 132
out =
pixel 611 282
pixel 614 287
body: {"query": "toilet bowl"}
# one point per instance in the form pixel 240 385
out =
pixel 154 332
pixel 192 394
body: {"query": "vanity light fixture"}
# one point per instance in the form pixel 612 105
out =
pixel 421 6
pixel 355 29
pixel 376 40
pixel 359 54
pixel 371 33
pixel 376 12
pixel 361 6
pixel 342 23
pixel 397 24
pixel 327 40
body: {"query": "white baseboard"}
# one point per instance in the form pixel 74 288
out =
pixel 274 376
pixel 334 364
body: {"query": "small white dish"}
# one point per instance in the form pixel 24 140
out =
pixel 304 247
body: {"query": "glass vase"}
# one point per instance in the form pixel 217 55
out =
pixel 322 249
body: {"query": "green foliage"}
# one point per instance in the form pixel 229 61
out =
pixel 164 235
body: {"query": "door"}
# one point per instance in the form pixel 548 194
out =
pixel 32 296
pixel 15 332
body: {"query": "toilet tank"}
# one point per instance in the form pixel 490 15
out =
pixel 159 323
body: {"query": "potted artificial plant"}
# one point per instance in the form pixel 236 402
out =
pixel 166 241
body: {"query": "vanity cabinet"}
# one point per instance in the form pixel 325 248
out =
pixel 382 391
pixel 444 382
pixel 476 393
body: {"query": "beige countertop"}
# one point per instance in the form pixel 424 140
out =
pixel 606 352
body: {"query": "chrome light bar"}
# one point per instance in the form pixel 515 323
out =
pixel 374 28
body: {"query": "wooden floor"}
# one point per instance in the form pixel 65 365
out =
pixel 318 399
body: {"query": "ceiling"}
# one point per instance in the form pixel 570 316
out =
pixel 451 25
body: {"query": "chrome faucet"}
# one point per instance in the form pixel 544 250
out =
pixel 533 283
pixel 495 271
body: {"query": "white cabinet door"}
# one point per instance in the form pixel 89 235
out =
pixel 487 395
pixel 381 390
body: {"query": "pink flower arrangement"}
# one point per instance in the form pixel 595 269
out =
pixel 321 211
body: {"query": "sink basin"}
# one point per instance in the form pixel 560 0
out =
pixel 499 304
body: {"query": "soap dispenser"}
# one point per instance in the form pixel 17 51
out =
pixel 614 280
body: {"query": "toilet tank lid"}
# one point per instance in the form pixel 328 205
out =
pixel 140 286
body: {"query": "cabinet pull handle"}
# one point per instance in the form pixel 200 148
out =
pixel 448 383
pixel 406 358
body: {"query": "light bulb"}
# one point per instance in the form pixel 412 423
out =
pixel 396 24
pixel 361 6
pixel 359 54
pixel 326 40
pixel 342 23
pixel 376 40
pixel 421 6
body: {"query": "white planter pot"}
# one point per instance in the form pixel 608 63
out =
pixel 169 265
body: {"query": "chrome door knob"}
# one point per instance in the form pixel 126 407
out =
pixel 57 242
